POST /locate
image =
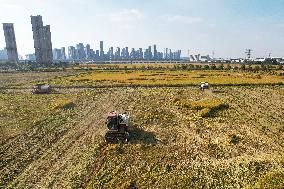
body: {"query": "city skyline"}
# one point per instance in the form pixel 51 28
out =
pixel 85 52
pixel 44 53
pixel 227 27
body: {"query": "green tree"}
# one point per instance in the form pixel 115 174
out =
pixel 198 67
pixel 250 68
pixel 256 68
pixel 213 67
pixel 221 67
pixel 229 67
pixel 184 66
pixel 263 67
pixel 206 67
pixel 191 67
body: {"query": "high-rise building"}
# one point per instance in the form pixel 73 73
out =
pixel 155 52
pixel 10 40
pixel 30 57
pixel 72 53
pixel 150 52
pixel 88 52
pixel 126 53
pixel 102 53
pixel 57 54
pixel 92 54
pixel 168 54
pixel 140 54
pixel 110 54
pixel 133 54
pixel 81 55
pixel 63 54
pixel 42 40
pixel 97 54
pixel 3 54
pixel 117 54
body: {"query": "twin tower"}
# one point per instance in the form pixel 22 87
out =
pixel 42 41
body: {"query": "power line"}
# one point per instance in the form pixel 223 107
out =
pixel 248 52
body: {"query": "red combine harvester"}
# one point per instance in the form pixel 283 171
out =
pixel 117 125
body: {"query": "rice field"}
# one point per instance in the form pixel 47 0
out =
pixel 167 78
pixel 230 136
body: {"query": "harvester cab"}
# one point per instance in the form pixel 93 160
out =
pixel 41 89
pixel 204 85
pixel 117 125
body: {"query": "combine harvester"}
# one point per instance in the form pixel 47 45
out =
pixel 117 125
pixel 204 86
pixel 41 89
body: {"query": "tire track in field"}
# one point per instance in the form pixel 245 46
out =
pixel 58 167
pixel 24 149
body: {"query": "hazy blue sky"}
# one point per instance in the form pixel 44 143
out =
pixel 227 27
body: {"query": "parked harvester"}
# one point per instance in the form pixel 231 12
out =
pixel 204 85
pixel 41 89
pixel 117 125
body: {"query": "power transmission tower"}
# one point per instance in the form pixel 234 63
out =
pixel 248 53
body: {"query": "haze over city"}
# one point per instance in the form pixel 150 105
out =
pixel 225 27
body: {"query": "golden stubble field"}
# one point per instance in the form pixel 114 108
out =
pixel 167 78
pixel 181 137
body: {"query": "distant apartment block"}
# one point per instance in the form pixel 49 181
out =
pixel 30 57
pixel 72 53
pixel 88 52
pixel 102 49
pixel 10 40
pixel 80 51
pixel 59 54
pixel 3 54
pixel 42 40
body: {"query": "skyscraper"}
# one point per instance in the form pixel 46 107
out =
pixel 140 54
pixel 72 53
pixel 102 49
pixel 10 40
pixel 155 52
pixel 126 53
pixel 42 40
pixel 63 54
pixel 81 55
pixel 166 54
pixel 88 52
pixel 3 54
pixel 57 54
pixel 117 54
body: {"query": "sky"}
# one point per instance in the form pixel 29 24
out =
pixel 225 27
